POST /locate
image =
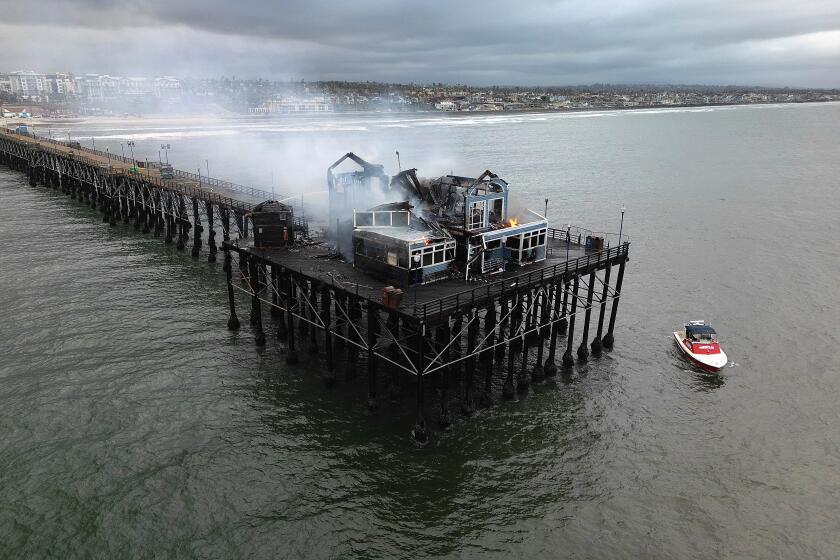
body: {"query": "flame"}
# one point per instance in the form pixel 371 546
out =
pixel 513 222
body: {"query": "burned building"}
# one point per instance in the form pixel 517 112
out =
pixel 390 241
pixel 436 226
pixel 350 190
pixel 274 224
pixel 475 211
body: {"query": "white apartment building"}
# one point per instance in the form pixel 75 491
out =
pixel 89 86
pixel 61 83
pixel 96 86
pixel 30 84
pixel 294 104
pixel 133 86
pixel 166 87
pixel 34 85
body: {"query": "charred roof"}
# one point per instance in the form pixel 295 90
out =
pixel 272 206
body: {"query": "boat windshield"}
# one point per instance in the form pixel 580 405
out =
pixel 701 333
pixel 705 337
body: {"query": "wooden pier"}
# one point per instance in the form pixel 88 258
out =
pixel 178 209
pixel 453 339
pixel 456 344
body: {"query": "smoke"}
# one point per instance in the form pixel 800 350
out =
pixel 286 155
pixel 297 151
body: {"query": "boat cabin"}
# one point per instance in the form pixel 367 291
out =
pixel 701 338
pixel 700 332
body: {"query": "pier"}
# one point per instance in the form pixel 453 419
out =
pixel 461 344
pixel 179 208
pixel 455 343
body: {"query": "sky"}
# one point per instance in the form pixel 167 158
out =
pixel 535 42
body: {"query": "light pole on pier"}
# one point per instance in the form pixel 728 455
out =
pixel 122 147
pixel 568 239
pixel 621 227
pixel 131 146
pixel 207 164
pixel 165 147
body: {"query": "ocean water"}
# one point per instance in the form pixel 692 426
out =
pixel 134 425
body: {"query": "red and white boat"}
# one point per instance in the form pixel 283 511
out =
pixel 699 342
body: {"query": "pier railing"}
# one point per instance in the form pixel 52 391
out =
pixel 187 189
pixel 251 192
pixel 577 235
pixel 453 302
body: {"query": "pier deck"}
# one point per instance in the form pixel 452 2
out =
pixel 426 302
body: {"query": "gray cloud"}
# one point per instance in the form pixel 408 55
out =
pixel 768 42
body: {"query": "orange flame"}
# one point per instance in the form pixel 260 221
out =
pixel 513 222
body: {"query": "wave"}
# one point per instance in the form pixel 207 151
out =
pixel 314 129
pixel 181 134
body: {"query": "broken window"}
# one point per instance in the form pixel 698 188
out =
pixel 497 210
pixel 476 215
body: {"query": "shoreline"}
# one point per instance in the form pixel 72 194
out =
pixel 205 119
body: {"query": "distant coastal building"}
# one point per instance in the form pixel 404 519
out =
pixel 28 84
pixel 166 87
pixel 314 104
pixel 61 83
pixel 99 87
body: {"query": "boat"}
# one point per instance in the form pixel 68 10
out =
pixel 699 342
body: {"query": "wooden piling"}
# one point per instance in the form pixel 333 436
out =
pixel 597 344
pixel 233 320
pixel 609 339
pixel 568 360
pixel 583 349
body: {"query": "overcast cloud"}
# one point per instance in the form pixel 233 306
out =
pixel 770 42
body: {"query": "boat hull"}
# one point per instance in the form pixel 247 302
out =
pixel 707 362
